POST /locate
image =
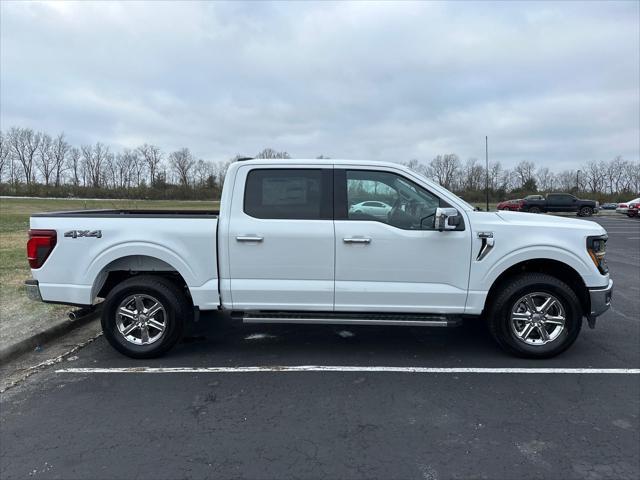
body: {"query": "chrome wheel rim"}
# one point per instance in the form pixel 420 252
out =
pixel 141 319
pixel 538 318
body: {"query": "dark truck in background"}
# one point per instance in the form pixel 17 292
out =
pixel 560 202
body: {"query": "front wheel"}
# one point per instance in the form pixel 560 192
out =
pixel 143 317
pixel 534 210
pixel 535 316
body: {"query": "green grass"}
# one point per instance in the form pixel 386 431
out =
pixel 14 224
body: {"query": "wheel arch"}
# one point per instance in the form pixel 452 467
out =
pixel 129 266
pixel 555 268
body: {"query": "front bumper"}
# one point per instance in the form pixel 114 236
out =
pixel 33 290
pixel 600 299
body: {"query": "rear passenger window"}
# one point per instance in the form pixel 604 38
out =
pixel 296 194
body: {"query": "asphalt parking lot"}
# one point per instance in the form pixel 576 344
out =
pixel 268 424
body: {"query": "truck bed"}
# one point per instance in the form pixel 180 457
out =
pixel 92 243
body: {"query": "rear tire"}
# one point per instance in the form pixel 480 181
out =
pixel 144 316
pixel 520 330
pixel 585 212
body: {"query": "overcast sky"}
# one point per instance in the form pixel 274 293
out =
pixel 555 83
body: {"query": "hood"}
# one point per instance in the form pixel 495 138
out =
pixel 551 221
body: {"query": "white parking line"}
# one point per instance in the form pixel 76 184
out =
pixel 335 368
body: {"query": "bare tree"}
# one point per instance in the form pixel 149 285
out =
pixel 94 159
pixel 632 176
pixel 44 158
pixel 473 175
pixel 444 168
pixel 594 177
pixel 220 171
pixel 545 179
pixel 152 156
pixel 524 170
pixel 74 165
pixel 122 169
pixel 4 154
pixel 182 162
pixel 59 150
pixel 271 153
pixel 24 144
pixel 203 170
pixel 495 173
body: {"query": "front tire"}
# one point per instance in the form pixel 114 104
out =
pixel 144 316
pixel 534 210
pixel 535 316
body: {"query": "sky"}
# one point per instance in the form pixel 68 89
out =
pixel 553 83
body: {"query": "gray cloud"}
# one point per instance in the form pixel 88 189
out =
pixel 557 83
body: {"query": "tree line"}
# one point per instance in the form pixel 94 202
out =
pixel 35 163
pixel 606 180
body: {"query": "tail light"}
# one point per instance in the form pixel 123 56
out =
pixel 40 246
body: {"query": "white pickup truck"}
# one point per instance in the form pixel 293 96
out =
pixel 294 243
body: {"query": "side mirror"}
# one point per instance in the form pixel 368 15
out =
pixel 447 219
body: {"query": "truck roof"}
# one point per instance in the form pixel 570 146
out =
pixel 319 161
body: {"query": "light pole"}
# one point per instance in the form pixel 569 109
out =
pixel 577 181
pixel 486 156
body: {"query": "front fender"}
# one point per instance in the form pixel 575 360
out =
pixel 539 252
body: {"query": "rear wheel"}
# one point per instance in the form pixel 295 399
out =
pixel 534 210
pixel 585 212
pixel 535 316
pixel 143 317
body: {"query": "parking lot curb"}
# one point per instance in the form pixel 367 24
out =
pixel 30 343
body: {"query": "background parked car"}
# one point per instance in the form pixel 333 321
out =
pixel 513 205
pixel 374 208
pixel 609 206
pixel 634 209
pixel 561 202
pixel 624 207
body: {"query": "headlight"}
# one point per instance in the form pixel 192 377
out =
pixel 597 248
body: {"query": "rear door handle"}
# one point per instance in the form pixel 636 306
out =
pixel 356 240
pixel 249 238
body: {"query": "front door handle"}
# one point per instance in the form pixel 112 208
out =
pixel 356 240
pixel 249 238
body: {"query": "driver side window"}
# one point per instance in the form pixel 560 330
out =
pixel 398 201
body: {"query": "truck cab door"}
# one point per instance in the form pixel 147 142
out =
pixel 399 263
pixel 281 239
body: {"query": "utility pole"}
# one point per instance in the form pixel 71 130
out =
pixel 486 155
pixel 577 181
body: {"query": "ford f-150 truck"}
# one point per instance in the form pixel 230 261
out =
pixel 291 244
pixel 560 202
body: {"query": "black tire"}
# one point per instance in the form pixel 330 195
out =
pixel 534 210
pixel 177 311
pixel 585 212
pixel 499 315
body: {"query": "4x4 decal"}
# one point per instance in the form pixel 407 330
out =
pixel 83 233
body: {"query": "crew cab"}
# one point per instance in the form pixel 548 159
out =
pixel 560 202
pixel 287 246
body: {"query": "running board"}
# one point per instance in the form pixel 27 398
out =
pixel 330 318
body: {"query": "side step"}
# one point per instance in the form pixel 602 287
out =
pixel 347 318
